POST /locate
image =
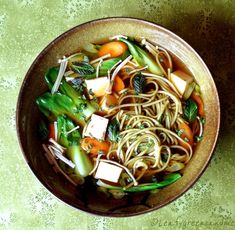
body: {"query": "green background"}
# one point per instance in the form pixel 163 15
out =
pixel 27 26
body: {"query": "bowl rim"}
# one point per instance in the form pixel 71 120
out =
pixel 63 36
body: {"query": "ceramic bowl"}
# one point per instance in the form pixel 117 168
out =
pixel 28 115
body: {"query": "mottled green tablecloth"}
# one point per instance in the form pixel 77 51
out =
pixel 27 26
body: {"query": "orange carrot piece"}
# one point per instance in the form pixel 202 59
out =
pixel 118 84
pixel 94 146
pixel 108 101
pixel 51 131
pixel 114 48
pixel 197 98
pixel 186 135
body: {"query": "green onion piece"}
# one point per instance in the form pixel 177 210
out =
pixel 169 179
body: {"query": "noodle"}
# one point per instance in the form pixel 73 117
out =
pixel 146 120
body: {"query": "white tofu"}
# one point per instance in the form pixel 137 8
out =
pixel 97 127
pixel 181 81
pixel 97 86
pixel 108 172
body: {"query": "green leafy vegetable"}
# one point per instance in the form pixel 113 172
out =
pixel 190 110
pixel 139 83
pixel 103 71
pixel 79 63
pixel 82 68
pixel 64 125
pixel 53 105
pixel 142 57
pixel 107 65
pixel 80 159
pixel 169 179
pixel 125 55
pixel 113 130
pixel 71 141
pixel 83 106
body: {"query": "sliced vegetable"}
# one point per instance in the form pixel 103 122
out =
pixel 115 72
pixel 94 147
pixel 197 98
pixel 118 84
pixel 53 105
pixel 107 65
pixel 113 131
pixel 71 140
pixel 139 83
pixel 114 48
pixel 83 106
pixel 64 125
pixel 51 131
pixel 169 179
pixel 190 111
pixel 186 134
pixel 80 159
pixel 142 57
pixel 108 102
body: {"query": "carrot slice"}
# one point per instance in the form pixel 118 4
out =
pixel 197 98
pixel 114 48
pixel 94 146
pixel 51 131
pixel 118 84
pixel 107 102
pixel 186 134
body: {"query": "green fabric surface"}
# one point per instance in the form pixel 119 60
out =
pixel 27 26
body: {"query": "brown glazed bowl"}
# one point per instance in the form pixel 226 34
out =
pixel 28 115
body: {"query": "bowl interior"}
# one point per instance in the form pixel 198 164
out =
pixel 28 116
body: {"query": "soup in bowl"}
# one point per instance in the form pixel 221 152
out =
pixel 113 118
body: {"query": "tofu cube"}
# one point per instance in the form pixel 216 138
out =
pixel 181 81
pixel 97 127
pixel 97 87
pixel 109 172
